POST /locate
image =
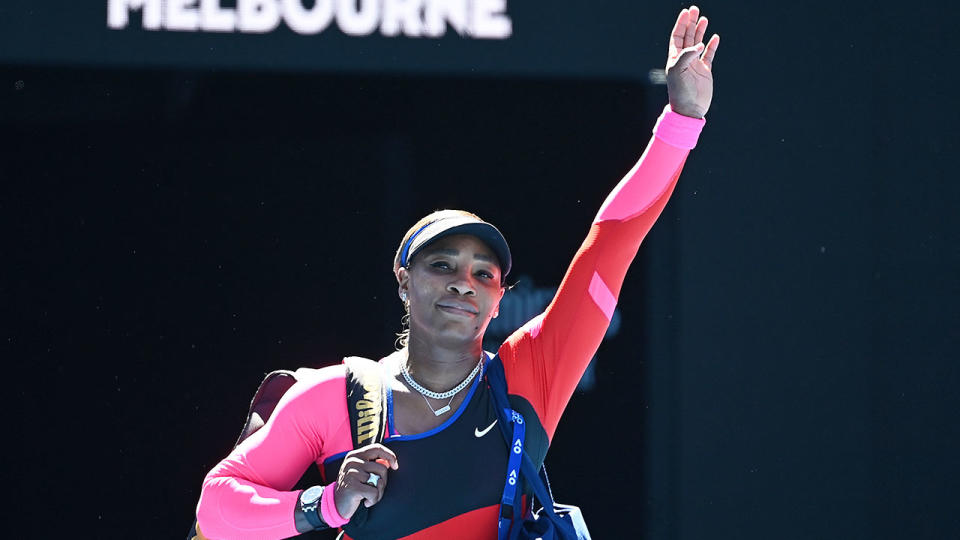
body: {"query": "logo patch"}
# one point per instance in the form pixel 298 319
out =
pixel 477 433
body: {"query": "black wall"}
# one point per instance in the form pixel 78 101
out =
pixel 785 365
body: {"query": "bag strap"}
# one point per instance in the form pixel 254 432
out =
pixel 367 397
pixel 366 401
pixel 528 471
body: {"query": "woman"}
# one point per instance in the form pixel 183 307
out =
pixel 440 471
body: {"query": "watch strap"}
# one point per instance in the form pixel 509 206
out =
pixel 311 512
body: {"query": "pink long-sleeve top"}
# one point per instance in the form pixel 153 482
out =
pixel 249 494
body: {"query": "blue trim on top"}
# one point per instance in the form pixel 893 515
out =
pixel 337 456
pixel 406 247
pixel 441 427
pixel 452 419
pixel 390 427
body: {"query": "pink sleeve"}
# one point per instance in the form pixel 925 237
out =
pixel 247 495
pixel 651 176
pixel 545 359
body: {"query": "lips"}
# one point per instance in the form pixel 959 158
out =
pixel 458 307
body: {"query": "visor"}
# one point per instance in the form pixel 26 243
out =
pixel 436 230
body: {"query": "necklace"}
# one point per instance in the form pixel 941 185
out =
pixel 439 395
pixel 441 410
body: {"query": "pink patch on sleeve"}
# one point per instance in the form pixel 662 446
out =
pixel 534 325
pixel 602 296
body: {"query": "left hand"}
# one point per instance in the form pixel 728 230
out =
pixel 689 65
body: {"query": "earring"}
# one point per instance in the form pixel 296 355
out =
pixel 403 297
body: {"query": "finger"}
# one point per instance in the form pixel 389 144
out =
pixel 358 481
pixel 352 462
pixel 368 494
pixel 711 50
pixel 679 30
pixel 701 30
pixel 375 468
pixel 372 467
pixel 690 30
pixel 376 451
pixel 358 471
pixel 365 467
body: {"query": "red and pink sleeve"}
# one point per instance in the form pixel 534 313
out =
pixel 247 495
pixel 545 359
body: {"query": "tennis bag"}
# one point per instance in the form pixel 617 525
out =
pixel 553 521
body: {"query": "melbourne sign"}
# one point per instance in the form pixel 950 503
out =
pixel 482 19
pixel 621 39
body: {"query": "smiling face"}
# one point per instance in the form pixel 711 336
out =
pixel 453 286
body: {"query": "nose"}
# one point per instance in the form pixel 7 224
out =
pixel 461 287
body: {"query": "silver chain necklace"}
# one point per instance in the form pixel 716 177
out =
pixel 439 395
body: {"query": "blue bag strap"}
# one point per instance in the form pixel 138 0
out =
pixel 509 502
pixel 536 479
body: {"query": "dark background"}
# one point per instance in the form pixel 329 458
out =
pixel 786 362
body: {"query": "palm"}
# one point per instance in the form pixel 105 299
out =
pixel 689 65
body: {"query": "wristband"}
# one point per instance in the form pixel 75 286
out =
pixel 328 507
pixel 678 130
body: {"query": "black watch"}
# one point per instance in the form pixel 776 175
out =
pixel 310 506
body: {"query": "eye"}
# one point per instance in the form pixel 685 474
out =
pixel 440 265
pixel 485 274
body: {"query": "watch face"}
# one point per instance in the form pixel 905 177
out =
pixel 311 495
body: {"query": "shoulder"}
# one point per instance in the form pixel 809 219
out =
pixel 314 387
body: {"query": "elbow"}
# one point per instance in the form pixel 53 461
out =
pixel 236 509
pixel 213 511
pixel 210 524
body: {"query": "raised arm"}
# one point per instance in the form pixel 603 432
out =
pixel 545 359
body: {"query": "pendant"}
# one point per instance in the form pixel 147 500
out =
pixel 441 410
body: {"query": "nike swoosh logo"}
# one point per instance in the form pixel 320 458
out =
pixel 477 433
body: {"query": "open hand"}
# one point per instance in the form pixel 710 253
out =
pixel 689 65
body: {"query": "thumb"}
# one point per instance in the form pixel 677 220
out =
pixel 689 54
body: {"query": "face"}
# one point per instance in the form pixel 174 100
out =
pixel 453 287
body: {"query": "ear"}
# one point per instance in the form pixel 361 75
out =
pixel 496 310
pixel 403 282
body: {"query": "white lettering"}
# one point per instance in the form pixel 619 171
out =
pixel 181 15
pixel 118 13
pixel 402 15
pixel 488 20
pixel 257 16
pixel 440 12
pixel 213 18
pixel 356 21
pixel 303 21
pixel 484 19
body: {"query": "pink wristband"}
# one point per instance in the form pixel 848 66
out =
pixel 678 130
pixel 328 507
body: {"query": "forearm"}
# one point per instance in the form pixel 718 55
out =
pixel 562 341
pixel 234 508
pixel 657 169
pixel 247 494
